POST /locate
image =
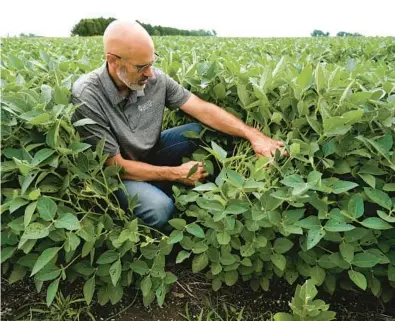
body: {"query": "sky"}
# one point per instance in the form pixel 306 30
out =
pixel 245 18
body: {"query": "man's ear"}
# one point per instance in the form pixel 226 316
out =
pixel 111 59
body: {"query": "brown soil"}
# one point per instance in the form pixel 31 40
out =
pixel 194 291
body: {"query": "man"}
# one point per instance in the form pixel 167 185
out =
pixel 126 98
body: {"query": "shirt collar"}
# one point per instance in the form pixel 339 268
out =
pixel 111 89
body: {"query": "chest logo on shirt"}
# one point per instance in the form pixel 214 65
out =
pixel 143 107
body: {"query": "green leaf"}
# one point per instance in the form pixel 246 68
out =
pixel 193 170
pixel 46 208
pixel 333 225
pixel 160 294
pixel 379 197
pixel 223 238
pixel 231 277
pixel 365 260
pixel 282 316
pixel 220 91
pixel 41 155
pixel 347 252
pixel 235 179
pixel 89 289
pixel 35 231
pixel 27 180
pixel 219 152
pixel 358 278
pixel 279 261
pixel 29 211
pixel 41 119
pixel 170 278
pixel 52 135
pixel 78 147
pixel 314 236
pixel 343 186
pixel 369 179
pixel 391 273
pixel 68 221
pixel 146 285
pixel 282 245
pixel 44 258
pixel 115 271
pixel 386 217
pixel 17 274
pixel 356 206
pixel 175 237
pixel 178 223
pixel 317 275
pixel 292 181
pixel 46 93
pixel 51 292
pixel 389 187
pixel 376 286
pixel 195 229
pixel 206 187
pixel 108 257
pixel 182 256
pixel 83 122
pixel 6 253
pixel 305 78
pixel 243 95
pixel 199 262
pixel 248 249
pixel 216 268
pixel 236 209
pixel 376 223
pixel 60 97
pixel 140 267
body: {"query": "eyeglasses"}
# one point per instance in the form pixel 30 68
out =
pixel 139 68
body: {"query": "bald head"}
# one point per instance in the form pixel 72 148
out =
pixel 127 39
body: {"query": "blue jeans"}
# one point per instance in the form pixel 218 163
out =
pixel 155 205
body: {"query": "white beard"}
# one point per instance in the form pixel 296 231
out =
pixel 122 77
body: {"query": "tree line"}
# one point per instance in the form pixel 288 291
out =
pixel 320 33
pixel 96 27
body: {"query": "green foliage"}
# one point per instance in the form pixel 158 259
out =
pixel 60 218
pixel 325 213
pixel 332 200
pixel 305 308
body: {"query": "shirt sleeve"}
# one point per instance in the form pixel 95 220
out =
pixel 176 95
pixel 93 133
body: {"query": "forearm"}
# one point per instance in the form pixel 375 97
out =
pixel 225 122
pixel 140 171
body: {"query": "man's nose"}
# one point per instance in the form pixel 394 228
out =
pixel 148 72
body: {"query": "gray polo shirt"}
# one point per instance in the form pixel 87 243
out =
pixel 131 126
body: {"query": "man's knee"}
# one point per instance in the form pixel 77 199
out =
pixel 196 127
pixel 161 209
pixel 154 207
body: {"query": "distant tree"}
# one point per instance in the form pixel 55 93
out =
pixel 97 26
pixel 27 35
pixel 319 33
pixel 91 27
pixel 348 34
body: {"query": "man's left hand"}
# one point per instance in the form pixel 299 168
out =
pixel 265 146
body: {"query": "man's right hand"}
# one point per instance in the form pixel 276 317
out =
pixel 199 175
